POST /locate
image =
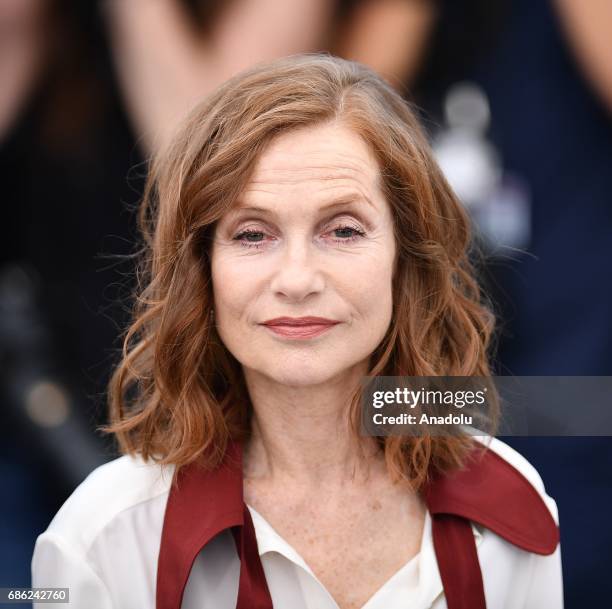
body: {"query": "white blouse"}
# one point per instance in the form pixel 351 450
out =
pixel 104 542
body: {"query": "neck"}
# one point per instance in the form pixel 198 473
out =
pixel 302 435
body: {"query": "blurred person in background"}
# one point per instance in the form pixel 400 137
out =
pixel 549 84
pixel 167 59
pixel 547 76
pixel 65 150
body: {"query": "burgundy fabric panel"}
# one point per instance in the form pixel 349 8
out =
pixel 203 504
pixel 457 558
pixel 253 592
pixel 493 493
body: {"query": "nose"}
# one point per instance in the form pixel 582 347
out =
pixel 299 270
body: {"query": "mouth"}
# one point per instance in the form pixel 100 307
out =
pixel 300 327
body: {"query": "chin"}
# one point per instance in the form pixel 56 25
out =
pixel 298 376
pixel 304 374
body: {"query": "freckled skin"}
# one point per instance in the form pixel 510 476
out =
pixel 352 551
pixel 299 260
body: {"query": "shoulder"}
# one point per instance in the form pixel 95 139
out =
pixel 110 490
pixel 105 536
pixel 500 490
pixel 521 516
pixel 523 467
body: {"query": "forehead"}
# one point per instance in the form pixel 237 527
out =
pixel 328 156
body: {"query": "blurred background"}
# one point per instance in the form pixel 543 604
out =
pixel 517 100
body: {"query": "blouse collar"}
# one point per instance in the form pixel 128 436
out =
pixel 489 491
pixel 427 585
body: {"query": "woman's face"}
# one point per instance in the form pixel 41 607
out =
pixel 320 243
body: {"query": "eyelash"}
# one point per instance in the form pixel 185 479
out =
pixel 358 234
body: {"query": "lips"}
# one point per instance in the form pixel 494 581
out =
pixel 300 321
pixel 300 327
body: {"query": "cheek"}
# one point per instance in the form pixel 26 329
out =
pixel 367 284
pixel 234 286
pixel 223 276
pixel 374 271
pixel 379 292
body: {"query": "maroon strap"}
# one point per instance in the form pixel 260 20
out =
pixel 493 493
pixel 202 505
pixel 457 558
pixel 253 590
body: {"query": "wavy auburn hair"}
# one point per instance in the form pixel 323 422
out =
pixel 178 394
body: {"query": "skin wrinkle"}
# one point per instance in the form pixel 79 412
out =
pixel 348 200
pixel 287 175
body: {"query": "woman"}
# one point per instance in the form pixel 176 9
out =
pixel 299 236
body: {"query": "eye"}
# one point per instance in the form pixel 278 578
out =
pixel 250 243
pixel 350 233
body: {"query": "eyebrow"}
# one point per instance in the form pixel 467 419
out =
pixel 341 201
